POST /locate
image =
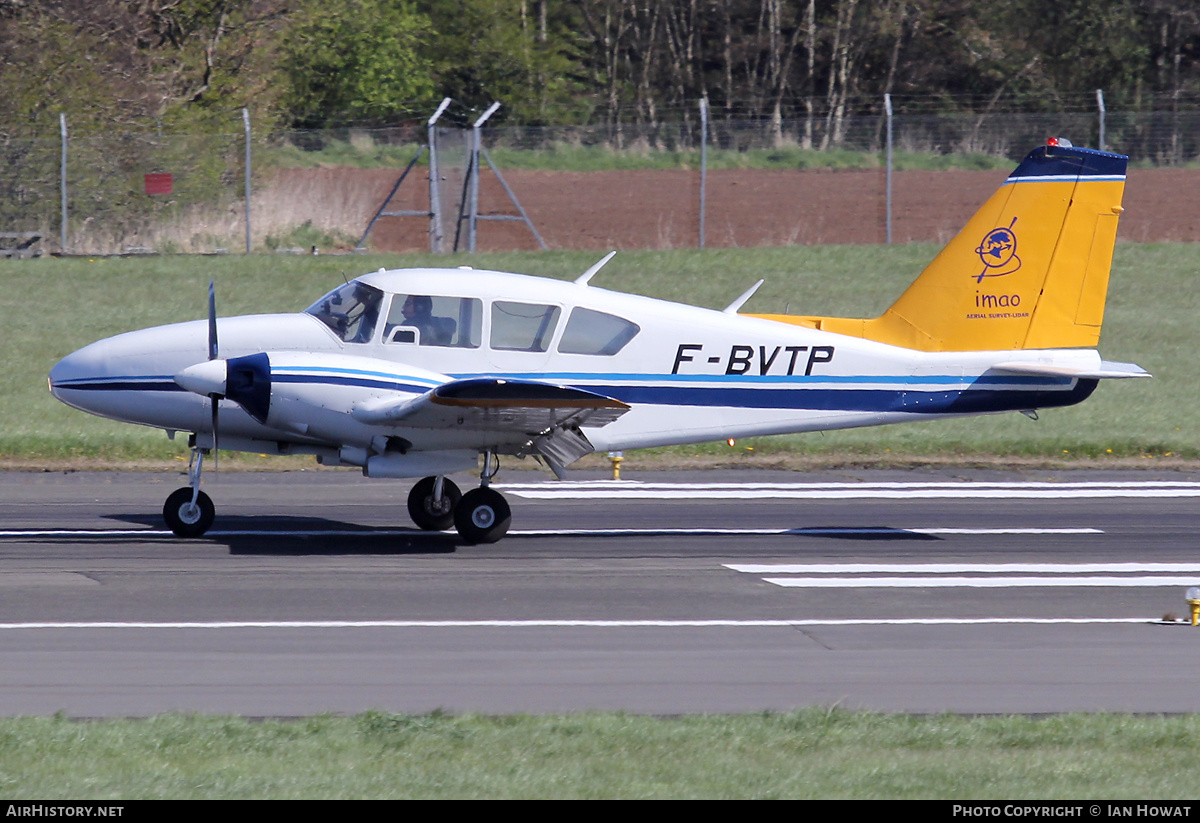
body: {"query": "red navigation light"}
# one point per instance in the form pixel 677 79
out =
pixel 1059 141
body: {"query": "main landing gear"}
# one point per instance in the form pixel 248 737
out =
pixel 480 516
pixel 189 512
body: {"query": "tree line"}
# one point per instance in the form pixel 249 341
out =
pixel 189 64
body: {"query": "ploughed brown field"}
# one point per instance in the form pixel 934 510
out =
pixel 745 207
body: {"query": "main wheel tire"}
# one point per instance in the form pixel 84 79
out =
pixel 186 519
pixel 482 516
pixel 426 512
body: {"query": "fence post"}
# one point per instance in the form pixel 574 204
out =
pixel 246 130
pixel 435 200
pixel 1100 105
pixel 887 107
pixel 476 145
pixel 703 161
pixel 62 128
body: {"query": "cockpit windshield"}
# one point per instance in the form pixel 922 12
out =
pixel 350 310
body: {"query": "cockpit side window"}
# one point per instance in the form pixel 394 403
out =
pixel 594 332
pixel 523 326
pixel 351 311
pixel 434 321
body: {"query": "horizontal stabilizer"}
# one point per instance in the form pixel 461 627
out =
pixel 1107 371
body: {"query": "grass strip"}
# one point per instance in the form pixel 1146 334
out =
pixel 810 753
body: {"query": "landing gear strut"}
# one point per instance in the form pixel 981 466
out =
pixel 189 512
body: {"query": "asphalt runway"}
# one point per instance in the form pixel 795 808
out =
pixel 964 591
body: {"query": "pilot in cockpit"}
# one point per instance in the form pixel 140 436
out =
pixel 418 313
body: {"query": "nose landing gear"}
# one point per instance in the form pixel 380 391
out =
pixel 189 512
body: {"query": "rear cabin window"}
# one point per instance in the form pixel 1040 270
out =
pixel 430 320
pixel 523 326
pixel 594 332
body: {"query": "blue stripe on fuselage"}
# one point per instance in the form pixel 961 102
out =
pixel 866 400
pixel 347 380
pixel 1036 392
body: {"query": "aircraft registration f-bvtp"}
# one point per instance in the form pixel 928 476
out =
pixel 417 372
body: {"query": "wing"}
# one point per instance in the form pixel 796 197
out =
pixel 549 416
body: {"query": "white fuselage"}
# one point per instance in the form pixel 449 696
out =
pixel 689 374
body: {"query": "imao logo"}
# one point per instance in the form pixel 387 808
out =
pixel 998 252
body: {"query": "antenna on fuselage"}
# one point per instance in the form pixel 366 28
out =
pixel 583 279
pixel 733 307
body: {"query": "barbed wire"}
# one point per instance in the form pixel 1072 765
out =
pixel 413 113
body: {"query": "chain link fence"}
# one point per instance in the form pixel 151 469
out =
pixel 817 179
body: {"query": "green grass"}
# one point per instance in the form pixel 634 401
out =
pixel 53 306
pixel 812 753
pixel 364 153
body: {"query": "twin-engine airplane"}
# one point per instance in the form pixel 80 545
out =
pixel 416 372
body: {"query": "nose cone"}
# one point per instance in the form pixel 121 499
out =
pixel 209 377
pixel 132 377
pixel 74 378
pixel 108 377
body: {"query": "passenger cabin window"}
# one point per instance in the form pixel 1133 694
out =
pixel 523 326
pixel 434 321
pixel 350 310
pixel 594 332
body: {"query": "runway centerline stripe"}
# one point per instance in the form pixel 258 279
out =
pixel 853 493
pixel 567 624
pixel 813 531
pixel 906 484
pixel 699 532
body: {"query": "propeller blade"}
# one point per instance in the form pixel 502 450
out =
pixel 214 398
pixel 212 321
pixel 212 355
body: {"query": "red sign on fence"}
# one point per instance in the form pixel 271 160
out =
pixel 159 183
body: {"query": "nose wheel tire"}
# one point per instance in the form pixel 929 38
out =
pixel 482 516
pixel 187 519
pixel 429 514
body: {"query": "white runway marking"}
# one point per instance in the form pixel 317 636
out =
pixel 268 532
pixel 827 532
pixel 958 568
pixel 593 624
pixel 635 490
pixel 976 582
pixel 986 575
pixel 166 533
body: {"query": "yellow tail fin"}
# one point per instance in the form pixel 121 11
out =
pixel 1029 270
